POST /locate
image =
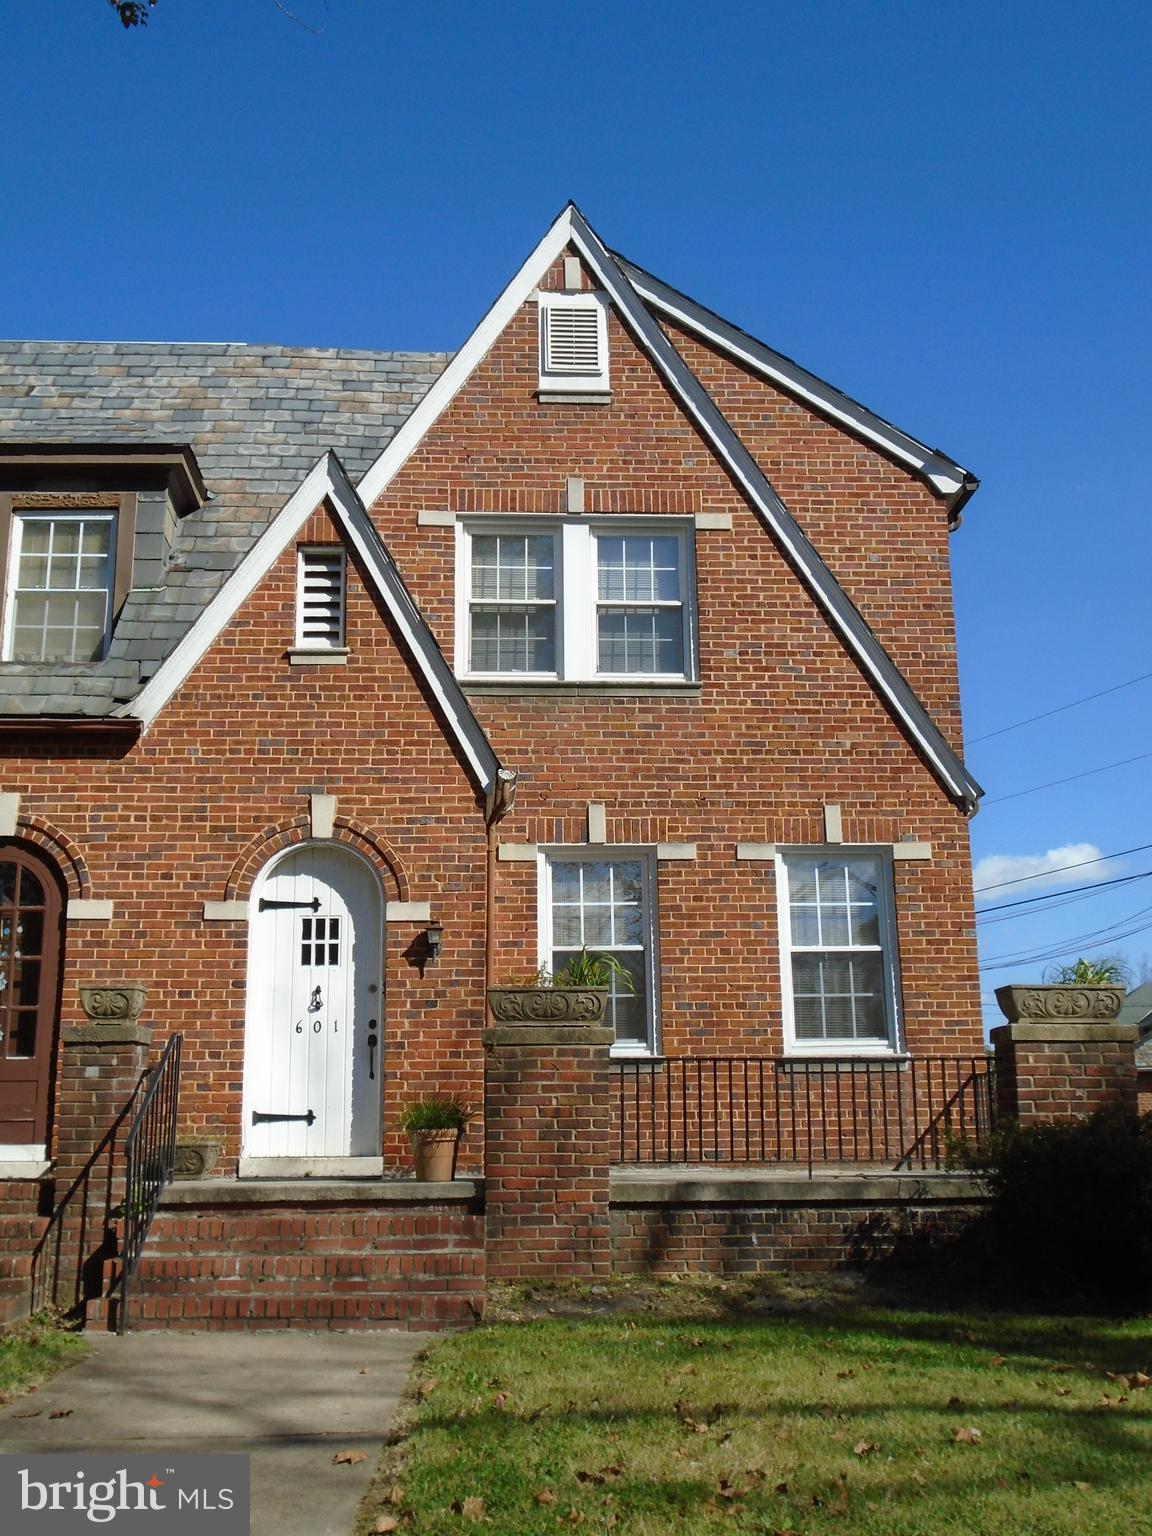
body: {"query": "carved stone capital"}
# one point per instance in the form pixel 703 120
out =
pixel 1061 1004
pixel 114 1002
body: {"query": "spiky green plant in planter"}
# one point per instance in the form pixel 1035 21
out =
pixel 575 994
pixel 434 1125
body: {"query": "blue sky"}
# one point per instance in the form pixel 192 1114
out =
pixel 942 209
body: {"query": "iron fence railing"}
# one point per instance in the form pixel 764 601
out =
pixel 902 1113
pixel 149 1157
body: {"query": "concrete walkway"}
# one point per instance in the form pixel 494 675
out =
pixel 290 1400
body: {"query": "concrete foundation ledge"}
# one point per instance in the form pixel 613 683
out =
pixel 207 1192
pixel 1047 1031
pixel 760 1186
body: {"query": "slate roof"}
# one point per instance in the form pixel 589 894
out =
pixel 257 417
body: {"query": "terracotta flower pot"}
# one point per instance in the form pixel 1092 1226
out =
pixel 434 1153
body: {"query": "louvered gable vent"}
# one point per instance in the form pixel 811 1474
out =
pixel 572 340
pixel 320 599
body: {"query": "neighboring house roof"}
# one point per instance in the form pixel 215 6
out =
pixel 259 417
pixel 1137 1010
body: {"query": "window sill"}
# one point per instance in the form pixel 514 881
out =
pixel 336 657
pixel 574 396
pixel 668 688
pixel 848 1060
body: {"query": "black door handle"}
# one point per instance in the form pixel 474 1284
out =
pixel 372 1043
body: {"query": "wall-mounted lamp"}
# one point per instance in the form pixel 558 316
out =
pixel 434 939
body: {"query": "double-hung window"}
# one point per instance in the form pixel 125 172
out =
pixel 840 982
pixel 577 600
pixel 605 904
pixel 60 576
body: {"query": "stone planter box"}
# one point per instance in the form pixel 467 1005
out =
pixel 116 1002
pixel 548 1005
pixel 195 1159
pixel 1064 1004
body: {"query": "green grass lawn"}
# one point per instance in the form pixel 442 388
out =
pixel 830 1421
pixel 32 1352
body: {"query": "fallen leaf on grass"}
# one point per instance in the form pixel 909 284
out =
pixel 546 1497
pixel 427 1387
pixel 967 1436
pixel 1111 1402
pixel 1063 1391
pixel 349 1458
pixel 845 1375
pixel 501 1400
pixel 954 1403
pixel 918 1477
pixel 471 1509
pixel 35 1414
pixel 839 1505
pixel 1083 1487
pixel 62 1413
pixel 387 1523
pixel 997 1361
pixel 395 1494
pixel 865 1448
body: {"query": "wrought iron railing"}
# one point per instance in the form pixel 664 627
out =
pixel 149 1157
pixel 807 1114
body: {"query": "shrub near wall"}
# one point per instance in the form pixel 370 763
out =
pixel 1070 1217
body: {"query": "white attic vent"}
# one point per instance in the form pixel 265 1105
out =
pixel 573 343
pixel 572 340
pixel 320 599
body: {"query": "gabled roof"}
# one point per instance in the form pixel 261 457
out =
pixel 256 417
pixel 571 228
pixel 328 480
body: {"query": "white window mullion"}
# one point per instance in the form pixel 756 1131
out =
pixel 578 579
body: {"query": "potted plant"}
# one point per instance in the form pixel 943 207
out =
pixel 1088 992
pixel 575 994
pixel 434 1125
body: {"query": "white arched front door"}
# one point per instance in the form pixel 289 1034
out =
pixel 313 1040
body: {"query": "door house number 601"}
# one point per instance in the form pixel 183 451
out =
pixel 317 1026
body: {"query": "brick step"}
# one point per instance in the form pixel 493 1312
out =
pixel 257 1265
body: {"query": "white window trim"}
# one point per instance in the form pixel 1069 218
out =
pixel 311 643
pixel 575 383
pixel 587 853
pixel 574 540
pixel 893 1046
pixel 15 541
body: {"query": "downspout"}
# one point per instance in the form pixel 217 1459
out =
pixel 501 799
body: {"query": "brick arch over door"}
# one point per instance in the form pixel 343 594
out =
pixel 370 845
pixel 61 852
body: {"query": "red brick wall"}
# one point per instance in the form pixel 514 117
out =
pixel 782 723
pixel 291 1266
pixel 21 1228
pixel 784 720
pixel 201 798
pixel 547 1112
pixel 787 1239
pixel 1063 1079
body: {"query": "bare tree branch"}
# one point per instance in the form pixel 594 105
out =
pixel 315 31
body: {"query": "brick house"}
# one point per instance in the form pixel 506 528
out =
pixel 337 686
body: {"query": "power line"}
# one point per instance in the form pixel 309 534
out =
pixel 1056 905
pixel 1060 708
pixel 1046 874
pixel 1052 783
pixel 1100 885
pixel 1094 937
pixel 1011 962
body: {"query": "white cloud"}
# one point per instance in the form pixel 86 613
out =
pixel 1042 869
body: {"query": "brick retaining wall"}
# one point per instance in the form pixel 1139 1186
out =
pixel 21 1228
pixel 677 1221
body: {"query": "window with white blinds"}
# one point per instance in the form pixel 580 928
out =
pixel 320 599
pixel 573 342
